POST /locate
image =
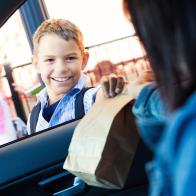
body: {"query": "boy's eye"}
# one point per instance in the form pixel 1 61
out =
pixel 50 60
pixel 71 58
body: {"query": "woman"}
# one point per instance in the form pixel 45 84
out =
pixel 167 29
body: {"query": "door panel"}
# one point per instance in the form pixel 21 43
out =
pixel 34 166
pixel 28 161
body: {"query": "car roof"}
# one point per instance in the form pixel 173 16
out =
pixel 7 8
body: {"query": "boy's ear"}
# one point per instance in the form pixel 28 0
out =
pixel 85 59
pixel 34 61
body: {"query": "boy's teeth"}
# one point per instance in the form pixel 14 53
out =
pixel 61 79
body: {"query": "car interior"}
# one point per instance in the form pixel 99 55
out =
pixel 33 165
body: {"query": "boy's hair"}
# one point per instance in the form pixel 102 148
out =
pixel 61 27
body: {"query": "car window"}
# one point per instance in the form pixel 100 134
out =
pixel 110 49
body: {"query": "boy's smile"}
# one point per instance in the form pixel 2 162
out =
pixel 59 62
pixel 61 79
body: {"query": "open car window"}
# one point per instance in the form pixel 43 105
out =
pixel 103 48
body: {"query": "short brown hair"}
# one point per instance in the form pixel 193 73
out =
pixel 61 27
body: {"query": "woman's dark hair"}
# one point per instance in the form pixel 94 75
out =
pixel 167 29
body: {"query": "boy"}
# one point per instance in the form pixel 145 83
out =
pixel 59 56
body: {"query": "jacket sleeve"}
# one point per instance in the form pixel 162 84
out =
pixel 150 114
pixel 185 161
pixel 181 143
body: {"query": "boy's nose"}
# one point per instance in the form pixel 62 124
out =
pixel 61 66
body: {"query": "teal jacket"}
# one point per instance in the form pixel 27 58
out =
pixel 172 137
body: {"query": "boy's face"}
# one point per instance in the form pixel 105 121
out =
pixel 59 62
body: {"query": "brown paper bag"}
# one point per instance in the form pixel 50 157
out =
pixel 104 143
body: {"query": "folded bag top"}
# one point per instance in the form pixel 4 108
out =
pixel 104 144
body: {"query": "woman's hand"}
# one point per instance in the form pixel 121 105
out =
pixel 144 78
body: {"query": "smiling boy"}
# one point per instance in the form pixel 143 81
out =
pixel 59 56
